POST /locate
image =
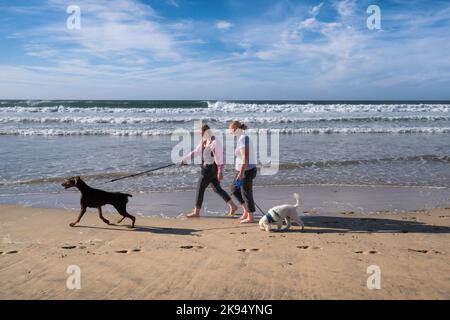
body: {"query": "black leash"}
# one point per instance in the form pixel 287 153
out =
pixel 139 174
pixel 262 212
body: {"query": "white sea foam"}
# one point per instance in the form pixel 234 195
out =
pixel 37 118
pixel 99 110
pixel 325 108
pixel 160 132
pixel 236 107
pixel 222 119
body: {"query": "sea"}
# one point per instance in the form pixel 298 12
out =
pixel 362 145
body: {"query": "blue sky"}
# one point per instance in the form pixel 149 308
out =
pixel 224 49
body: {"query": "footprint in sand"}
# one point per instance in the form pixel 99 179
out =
pixel 308 247
pixel 367 252
pixel 191 247
pixel 10 252
pixel 424 251
pixel 128 251
pixel 68 247
pixel 72 246
pixel 249 250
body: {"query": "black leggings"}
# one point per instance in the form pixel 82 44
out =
pixel 209 175
pixel 245 193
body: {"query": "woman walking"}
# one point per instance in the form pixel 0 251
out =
pixel 210 149
pixel 246 171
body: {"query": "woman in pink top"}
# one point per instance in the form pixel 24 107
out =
pixel 211 152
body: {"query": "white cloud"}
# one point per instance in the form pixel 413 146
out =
pixel 113 27
pixel 223 25
pixel 173 3
pixel 314 11
pixel 345 8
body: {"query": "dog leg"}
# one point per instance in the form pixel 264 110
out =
pixel 288 223
pixel 123 211
pixel 279 225
pixel 133 220
pixel 100 214
pixel 82 212
pixel 120 220
pixel 299 221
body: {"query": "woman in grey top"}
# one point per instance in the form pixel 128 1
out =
pixel 245 171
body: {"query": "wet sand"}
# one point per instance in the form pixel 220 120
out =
pixel 321 199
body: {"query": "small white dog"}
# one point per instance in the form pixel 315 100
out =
pixel 285 212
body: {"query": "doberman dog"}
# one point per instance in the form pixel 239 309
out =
pixel 95 198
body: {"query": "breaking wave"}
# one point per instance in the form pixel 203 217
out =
pixel 163 132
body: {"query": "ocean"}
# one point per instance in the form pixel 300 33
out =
pixel 322 143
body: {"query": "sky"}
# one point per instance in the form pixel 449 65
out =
pixel 225 50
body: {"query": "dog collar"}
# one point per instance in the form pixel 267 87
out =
pixel 270 216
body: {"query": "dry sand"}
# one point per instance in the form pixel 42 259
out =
pixel 216 258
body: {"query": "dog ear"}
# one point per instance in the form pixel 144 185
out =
pixel 77 178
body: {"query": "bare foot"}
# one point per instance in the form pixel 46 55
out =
pixel 244 216
pixel 246 221
pixel 193 215
pixel 233 209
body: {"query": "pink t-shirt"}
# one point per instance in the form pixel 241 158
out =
pixel 217 150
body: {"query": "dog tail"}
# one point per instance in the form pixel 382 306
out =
pixel 297 200
pixel 126 194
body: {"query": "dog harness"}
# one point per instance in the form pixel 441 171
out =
pixel 272 216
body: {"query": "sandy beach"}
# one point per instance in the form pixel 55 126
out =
pixel 216 258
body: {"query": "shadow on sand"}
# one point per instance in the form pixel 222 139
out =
pixel 367 225
pixel 176 231
pixel 318 224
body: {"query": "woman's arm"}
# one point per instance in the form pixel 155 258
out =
pixel 245 155
pixel 217 149
pixel 194 153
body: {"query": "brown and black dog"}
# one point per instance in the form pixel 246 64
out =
pixel 95 198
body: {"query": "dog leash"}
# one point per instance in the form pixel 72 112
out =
pixel 239 184
pixel 137 174
pixel 262 212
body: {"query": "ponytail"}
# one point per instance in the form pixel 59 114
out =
pixel 238 125
pixel 205 127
